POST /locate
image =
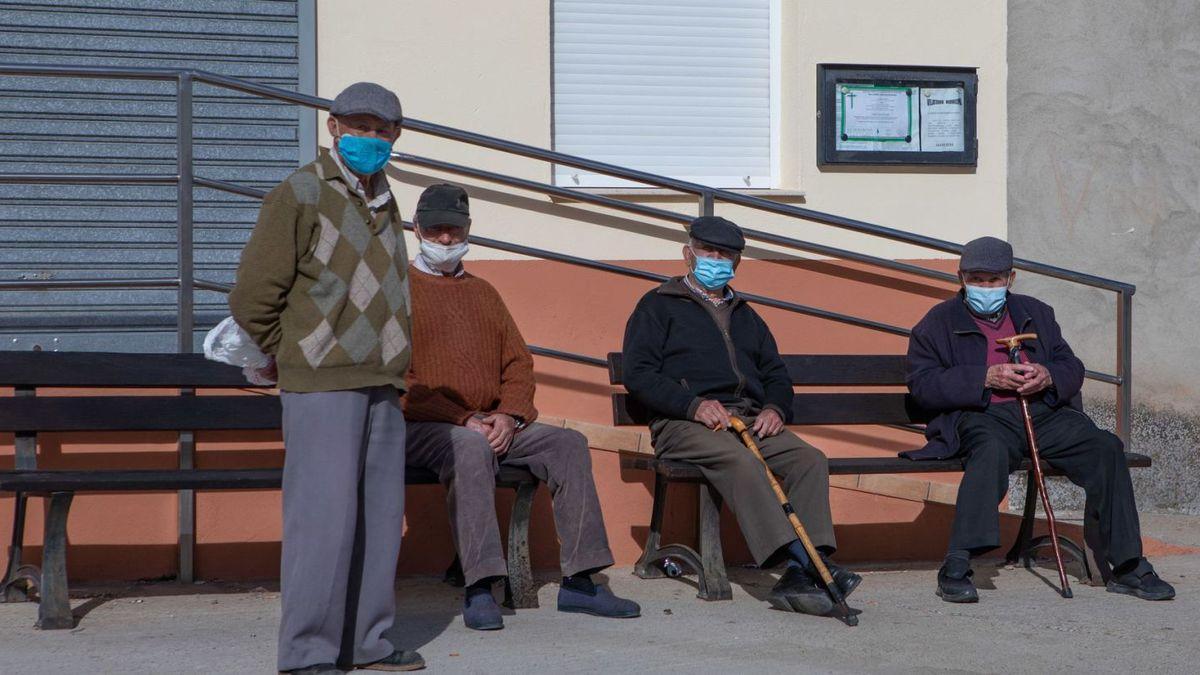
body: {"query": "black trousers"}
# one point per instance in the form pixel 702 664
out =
pixel 1068 440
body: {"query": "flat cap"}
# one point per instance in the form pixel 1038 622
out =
pixel 986 254
pixel 443 204
pixel 368 98
pixel 718 232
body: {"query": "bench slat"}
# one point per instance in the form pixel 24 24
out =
pixel 193 479
pixel 820 369
pixel 139 413
pixel 836 408
pixel 109 369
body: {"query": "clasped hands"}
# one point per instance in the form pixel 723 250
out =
pixel 713 415
pixel 1023 378
pixel 498 428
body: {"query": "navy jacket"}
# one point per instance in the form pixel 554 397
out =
pixel 947 364
pixel 675 356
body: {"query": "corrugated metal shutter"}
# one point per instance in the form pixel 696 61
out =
pixel 680 88
pixel 71 125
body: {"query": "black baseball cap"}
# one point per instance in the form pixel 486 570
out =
pixel 443 204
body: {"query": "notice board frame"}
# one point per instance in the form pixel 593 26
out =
pixel 829 75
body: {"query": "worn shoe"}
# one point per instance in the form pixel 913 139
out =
pixel 797 592
pixel 954 582
pixel 315 669
pixel 1141 582
pixel 480 611
pixel 599 602
pixel 846 580
pixel 398 661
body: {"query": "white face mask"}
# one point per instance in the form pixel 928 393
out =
pixel 444 259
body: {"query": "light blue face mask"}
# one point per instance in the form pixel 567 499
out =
pixel 364 155
pixel 986 301
pixel 712 273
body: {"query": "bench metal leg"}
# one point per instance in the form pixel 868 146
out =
pixel 16 588
pixel 519 591
pixel 658 561
pixel 714 581
pixel 1026 544
pixel 54 609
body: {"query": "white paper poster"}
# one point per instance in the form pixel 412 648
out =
pixel 941 115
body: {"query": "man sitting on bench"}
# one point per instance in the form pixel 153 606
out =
pixel 955 368
pixel 470 408
pixel 695 353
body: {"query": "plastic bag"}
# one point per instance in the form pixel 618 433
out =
pixel 228 343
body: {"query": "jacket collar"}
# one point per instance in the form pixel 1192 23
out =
pixel 963 322
pixel 331 169
pixel 676 288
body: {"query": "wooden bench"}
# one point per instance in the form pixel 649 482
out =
pixel 177 409
pixel 884 408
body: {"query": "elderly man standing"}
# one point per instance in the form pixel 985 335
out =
pixel 322 286
pixel 956 369
pixel 695 354
pixel 470 409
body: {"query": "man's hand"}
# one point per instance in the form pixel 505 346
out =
pixel 476 424
pixel 767 424
pixel 712 414
pixel 1006 376
pixel 503 428
pixel 1037 378
pixel 269 371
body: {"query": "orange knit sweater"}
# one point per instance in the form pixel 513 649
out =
pixel 468 355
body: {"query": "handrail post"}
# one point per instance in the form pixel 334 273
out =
pixel 706 203
pixel 187 445
pixel 183 159
pixel 1124 407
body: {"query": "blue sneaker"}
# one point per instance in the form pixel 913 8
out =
pixel 599 601
pixel 480 611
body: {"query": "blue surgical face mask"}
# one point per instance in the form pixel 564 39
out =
pixel 712 273
pixel 984 300
pixel 364 155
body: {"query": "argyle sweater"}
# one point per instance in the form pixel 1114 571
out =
pixel 323 283
pixel 469 355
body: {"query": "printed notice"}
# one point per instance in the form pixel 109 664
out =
pixel 941 119
pixel 877 118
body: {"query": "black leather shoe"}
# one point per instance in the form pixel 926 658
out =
pixel 954 582
pixel 315 669
pixel 797 592
pixel 1141 582
pixel 398 661
pixel 846 580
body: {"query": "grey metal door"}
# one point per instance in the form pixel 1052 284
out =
pixel 80 126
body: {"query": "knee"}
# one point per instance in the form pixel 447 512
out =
pixel 1109 446
pixel 988 452
pixel 574 450
pixel 472 453
pixel 813 459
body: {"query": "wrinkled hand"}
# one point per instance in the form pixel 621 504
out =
pixel 269 371
pixel 1006 376
pixel 712 414
pixel 476 424
pixel 1037 378
pixel 767 424
pixel 503 428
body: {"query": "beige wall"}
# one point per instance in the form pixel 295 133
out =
pixel 486 66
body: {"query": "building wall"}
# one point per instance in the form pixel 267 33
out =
pixel 1104 163
pixel 482 66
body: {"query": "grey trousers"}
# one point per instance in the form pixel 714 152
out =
pixel 467 466
pixel 742 482
pixel 342 521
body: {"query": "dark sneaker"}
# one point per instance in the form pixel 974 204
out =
pixel 600 601
pixel 480 611
pixel 846 580
pixel 1141 582
pixel 954 582
pixel 797 592
pixel 315 669
pixel 398 661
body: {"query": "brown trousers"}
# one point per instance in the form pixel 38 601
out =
pixel 740 479
pixel 466 465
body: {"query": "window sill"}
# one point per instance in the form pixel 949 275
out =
pixel 666 194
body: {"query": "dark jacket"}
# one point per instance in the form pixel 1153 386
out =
pixel 947 365
pixel 676 356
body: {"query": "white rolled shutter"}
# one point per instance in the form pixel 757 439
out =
pixel 678 87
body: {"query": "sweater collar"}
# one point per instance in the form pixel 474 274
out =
pixel 676 287
pixel 963 322
pixel 331 169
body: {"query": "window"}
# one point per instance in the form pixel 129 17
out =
pixel 682 88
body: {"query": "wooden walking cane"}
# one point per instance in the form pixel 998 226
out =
pixel 1013 344
pixel 834 592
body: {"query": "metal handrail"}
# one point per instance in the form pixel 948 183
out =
pixel 185 181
